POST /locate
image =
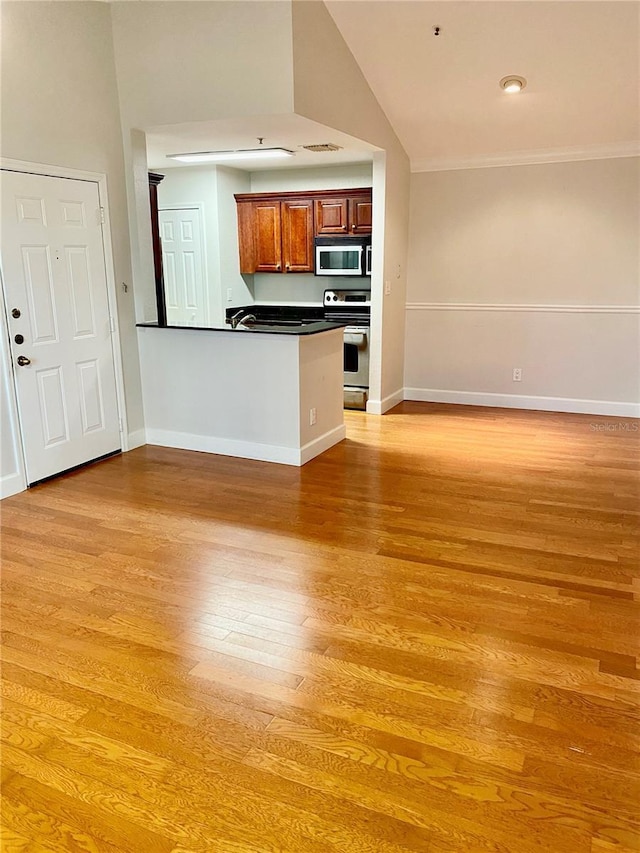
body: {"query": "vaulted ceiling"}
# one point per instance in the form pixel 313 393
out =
pixel 441 92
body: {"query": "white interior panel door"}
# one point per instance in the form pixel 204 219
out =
pixel 59 324
pixel 183 267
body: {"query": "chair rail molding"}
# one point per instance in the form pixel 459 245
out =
pixel 506 306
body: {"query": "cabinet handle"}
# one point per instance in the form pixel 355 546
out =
pixel 353 227
pixel 288 266
pixel 278 266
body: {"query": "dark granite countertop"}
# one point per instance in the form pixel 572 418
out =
pixel 309 328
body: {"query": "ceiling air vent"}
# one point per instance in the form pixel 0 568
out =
pixel 327 146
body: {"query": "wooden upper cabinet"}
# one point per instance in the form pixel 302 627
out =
pixel 276 236
pixel 297 235
pixel 276 230
pixel 246 242
pixel 360 215
pixel 267 236
pixel 332 216
pixel 344 214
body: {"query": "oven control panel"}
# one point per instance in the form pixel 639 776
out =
pixel 346 298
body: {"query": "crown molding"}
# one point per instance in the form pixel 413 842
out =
pixel 528 158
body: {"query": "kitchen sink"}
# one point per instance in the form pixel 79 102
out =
pixel 277 324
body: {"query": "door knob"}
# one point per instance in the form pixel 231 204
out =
pixel 23 361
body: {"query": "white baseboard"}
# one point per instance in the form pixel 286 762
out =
pixel 11 484
pixel 137 439
pixel 379 407
pixel 324 442
pixel 518 401
pixel 246 449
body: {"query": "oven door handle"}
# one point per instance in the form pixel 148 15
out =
pixel 355 337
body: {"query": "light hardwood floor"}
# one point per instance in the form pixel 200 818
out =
pixel 424 640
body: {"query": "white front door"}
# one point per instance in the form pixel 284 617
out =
pixel 58 318
pixel 183 267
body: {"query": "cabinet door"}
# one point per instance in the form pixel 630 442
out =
pixel 331 216
pixel 297 235
pixel 267 236
pixel 360 215
pixel 246 242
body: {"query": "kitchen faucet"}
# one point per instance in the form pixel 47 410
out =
pixel 241 317
pixel 236 318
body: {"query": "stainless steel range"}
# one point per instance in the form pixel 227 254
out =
pixel 352 307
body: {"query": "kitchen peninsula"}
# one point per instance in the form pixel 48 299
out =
pixel 274 395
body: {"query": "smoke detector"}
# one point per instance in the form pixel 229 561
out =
pixel 318 149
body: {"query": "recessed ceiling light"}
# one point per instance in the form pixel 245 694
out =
pixel 226 156
pixel 513 83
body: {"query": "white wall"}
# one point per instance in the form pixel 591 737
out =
pixel 329 177
pixel 139 207
pixel 330 88
pixel 212 188
pixel 534 267
pixel 321 368
pixel 198 60
pixel 11 470
pixel 231 181
pixel 60 106
pixel 300 288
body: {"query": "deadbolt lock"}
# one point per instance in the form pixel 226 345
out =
pixel 15 312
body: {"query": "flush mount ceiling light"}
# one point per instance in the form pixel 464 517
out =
pixel 513 83
pixel 226 156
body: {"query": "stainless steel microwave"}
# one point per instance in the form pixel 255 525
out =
pixel 344 256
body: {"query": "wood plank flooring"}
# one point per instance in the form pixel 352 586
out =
pixel 424 640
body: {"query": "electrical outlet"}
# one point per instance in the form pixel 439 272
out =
pixel 313 416
pixel 229 294
pixel 387 288
pixel 517 374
